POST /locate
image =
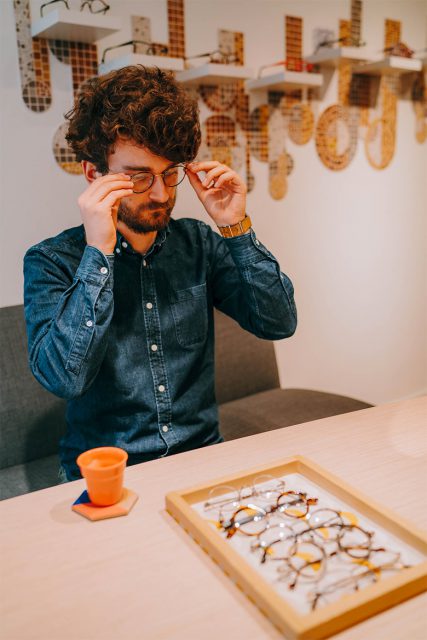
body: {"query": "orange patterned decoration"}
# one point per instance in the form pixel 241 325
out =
pixel 33 61
pixel 380 141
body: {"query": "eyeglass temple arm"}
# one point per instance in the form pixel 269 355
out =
pixel 209 53
pixel 124 44
pixel 52 2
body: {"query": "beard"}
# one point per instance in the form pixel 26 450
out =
pixel 146 217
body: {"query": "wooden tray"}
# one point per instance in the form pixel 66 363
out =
pixel 331 618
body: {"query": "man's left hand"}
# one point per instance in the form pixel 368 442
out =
pixel 222 191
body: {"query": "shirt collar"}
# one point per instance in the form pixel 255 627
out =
pixel 124 245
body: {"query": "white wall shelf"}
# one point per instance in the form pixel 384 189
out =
pixel 285 80
pixel 75 26
pixel 213 73
pixel 332 56
pixel 392 65
pixel 163 62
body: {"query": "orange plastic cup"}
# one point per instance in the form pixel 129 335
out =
pixel 103 469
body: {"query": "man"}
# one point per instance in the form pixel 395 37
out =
pixel 119 310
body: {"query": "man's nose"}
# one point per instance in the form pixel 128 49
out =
pixel 158 191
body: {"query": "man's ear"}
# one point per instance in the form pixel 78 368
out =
pixel 91 173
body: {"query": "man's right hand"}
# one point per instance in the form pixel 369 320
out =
pixel 99 204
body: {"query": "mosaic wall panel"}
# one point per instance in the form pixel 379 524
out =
pixel 83 59
pixel 293 42
pixel 141 30
pixel 380 140
pixel 176 28
pixel 337 127
pixel 33 57
pixel 419 100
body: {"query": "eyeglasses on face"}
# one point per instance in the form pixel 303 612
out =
pixel 172 177
pixel 94 6
pixel 153 48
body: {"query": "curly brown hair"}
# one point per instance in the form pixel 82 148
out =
pixel 137 103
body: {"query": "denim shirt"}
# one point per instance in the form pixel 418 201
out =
pixel 128 339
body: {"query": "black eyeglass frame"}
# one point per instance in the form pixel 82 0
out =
pixel 157 175
pixel 154 48
pixel 89 3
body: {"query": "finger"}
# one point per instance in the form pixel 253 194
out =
pixel 227 178
pixel 115 196
pixel 213 174
pixel 204 165
pixel 103 189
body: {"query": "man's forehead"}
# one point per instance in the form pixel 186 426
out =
pixel 127 155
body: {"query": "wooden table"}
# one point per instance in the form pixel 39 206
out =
pixel 142 576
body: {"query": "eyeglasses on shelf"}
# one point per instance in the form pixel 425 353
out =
pixel 94 6
pixel 217 57
pixel 153 48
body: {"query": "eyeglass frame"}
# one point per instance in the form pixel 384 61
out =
pixel 233 525
pixel 83 3
pixel 229 57
pixel 300 64
pixel 157 175
pixel 153 47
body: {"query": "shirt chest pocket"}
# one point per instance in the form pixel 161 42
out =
pixel 190 314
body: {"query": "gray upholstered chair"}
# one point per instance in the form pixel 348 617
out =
pixel 248 392
pixel 247 386
pixel 32 420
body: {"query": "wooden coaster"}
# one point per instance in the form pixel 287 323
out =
pixel 85 508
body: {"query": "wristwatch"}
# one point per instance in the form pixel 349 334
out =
pixel 231 231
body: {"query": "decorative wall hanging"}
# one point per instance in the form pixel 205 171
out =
pixel 225 134
pixel 233 134
pixel 337 127
pixel 419 99
pixel 380 140
pixel 33 58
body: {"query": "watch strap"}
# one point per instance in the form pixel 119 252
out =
pixel 238 229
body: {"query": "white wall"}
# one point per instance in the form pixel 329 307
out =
pixel 353 242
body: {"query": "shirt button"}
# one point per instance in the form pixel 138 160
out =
pixel 161 387
pixel 149 305
pixel 104 270
pixel 118 250
pixel 144 262
pixel 154 347
pixel 124 245
pixel 89 323
pixel 165 428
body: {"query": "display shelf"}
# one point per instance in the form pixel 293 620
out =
pixel 392 65
pixel 331 56
pixel 75 26
pixel 285 80
pixel 212 73
pixel 163 62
